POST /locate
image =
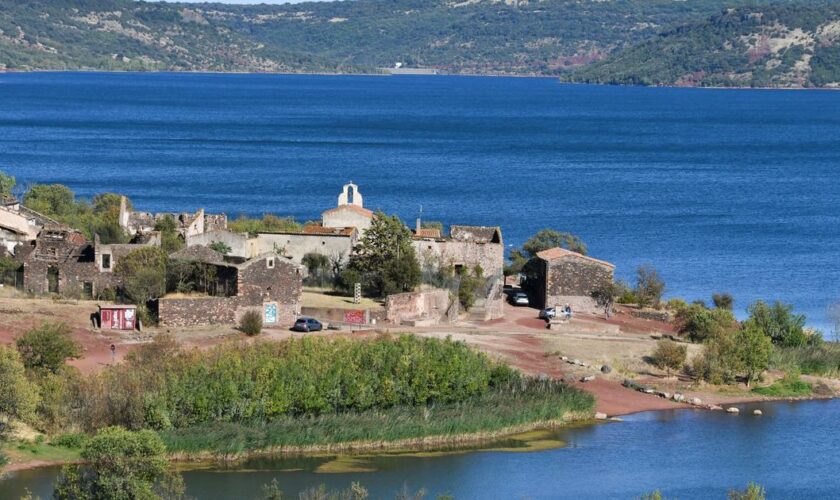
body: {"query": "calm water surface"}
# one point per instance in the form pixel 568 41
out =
pixel 689 454
pixel 732 191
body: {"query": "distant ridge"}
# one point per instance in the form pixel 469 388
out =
pixel 651 42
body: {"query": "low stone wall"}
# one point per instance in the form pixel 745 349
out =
pixel 199 311
pixel 577 303
pixel 409 307
pixel 652 314
pixel 342 315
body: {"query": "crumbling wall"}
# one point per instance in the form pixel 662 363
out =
pixel 431 305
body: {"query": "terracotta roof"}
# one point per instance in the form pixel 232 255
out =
pixel 355 208
pixel 335 231
pixel 558 253
pixel 477 234
pixel 427 232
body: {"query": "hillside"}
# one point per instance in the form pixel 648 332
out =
pixel 792 45
pixel 471 36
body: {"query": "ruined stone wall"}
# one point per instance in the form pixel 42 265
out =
pixel 296 246
pixel 72 276
pixel 490 256
pixel 271 278
pixel 431 304
pixel 240 245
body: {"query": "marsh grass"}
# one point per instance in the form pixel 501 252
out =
pixel 823 359
pixel 485 417
pixel 787 387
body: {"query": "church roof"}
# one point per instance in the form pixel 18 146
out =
pixel 353 208
pixel 427 232
pixel 558 253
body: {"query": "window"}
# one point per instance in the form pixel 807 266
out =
pixel 269 263
pixel 106 261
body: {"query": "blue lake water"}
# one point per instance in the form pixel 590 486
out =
pixel 689 454
pixel 720 190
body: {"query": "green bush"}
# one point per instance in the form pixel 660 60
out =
pixel 48 347
pixel 789 386
pixel 822 359
pixel 251 323
pixel 73 440
pixel 669 355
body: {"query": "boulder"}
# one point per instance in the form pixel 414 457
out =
pixel 679 398
pixel 600 416
pixel 564 358
pixel 588 378
pixel 648 390
pixel 732 409
pixel 757 413
pixel 665 395
pixel 606 369
pixel 575 362
pixel 696 401
pixel 716 408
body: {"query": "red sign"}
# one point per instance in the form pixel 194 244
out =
pixel 354 317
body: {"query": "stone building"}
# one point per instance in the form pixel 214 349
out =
pixel 19 225
pixel 188 224
pixel 268 283
pixel 566 277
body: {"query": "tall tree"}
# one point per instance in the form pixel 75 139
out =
pixel 7 183
pixel 18 396
pixel 384 260
pixel 550 238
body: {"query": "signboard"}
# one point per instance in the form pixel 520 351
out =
pixel 354 317
pixel 270 316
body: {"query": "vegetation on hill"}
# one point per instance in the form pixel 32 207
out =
pixel 775 44
pixel 483 36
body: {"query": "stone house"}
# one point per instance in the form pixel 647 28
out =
pixel 566 277
pixel 188 224
pixel 19 225
pixel 268 283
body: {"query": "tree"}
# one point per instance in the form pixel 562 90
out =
pixel 720 362
pixel 755 349
pixel 469 284
pixel 143 272
pixel 384 260
pixel 722 301
pixel 220 246
pixel 53 200
pixel 7 183
pixel 18 396
pixel 318 265
pixel 549 238
pixel 120 464
pixel 649 286
pixel 669 355
pixel 753 492
pixel 48 347
pixel 700 323
pixel 170 240
pixel 605 294
pixel 779 323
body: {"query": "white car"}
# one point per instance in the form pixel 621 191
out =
pixel 519 299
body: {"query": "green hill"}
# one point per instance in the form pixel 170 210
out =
pixel 790 45
pixel 470 36
pixel 652 42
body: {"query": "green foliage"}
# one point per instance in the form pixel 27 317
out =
pixel 48 347
pixel 53 200
pixel 700 323
pixel 143 272
pixel 779 323
pixel 72 440
pixel 753 492
pixel 18 396
pixel 790 386
pixel 354 492
pixel 384 261
pixel 251 323
pixel 755 348
pixel 220 246
pixel 120 464
pixel 320 269
pixel 669 355
pixel 720 362
pixel 470 285
pixel 823 359
pixel 605 295
pixel 654 495
pixel 170 239
pixel 723 301
pixel 550 238
pixel 7 183
pixel 649 287
pixel 268 224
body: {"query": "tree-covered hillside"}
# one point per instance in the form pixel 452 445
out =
pixel 783 45
pixel 475 36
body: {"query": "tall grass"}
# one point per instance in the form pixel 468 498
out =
pixel 514 404
pixel 823 359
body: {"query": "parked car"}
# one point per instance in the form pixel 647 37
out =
pixel 307 325
pixel 548 313
pixel 519 299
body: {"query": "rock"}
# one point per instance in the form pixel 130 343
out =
pixel 648 390
pixel 696 401
pixel 716 408
pixel 679 398
pixel 665 395
pixel 564 358
pixel 600 416
pixel 588 378
pixel 757 413
pixel 732 409
pixel 606 369
pixel 576 362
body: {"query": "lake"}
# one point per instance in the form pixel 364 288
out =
pixel 689 454
pixel 721 190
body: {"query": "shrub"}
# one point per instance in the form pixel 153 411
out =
pixel 47 347
pixel 700 323
pixel 789 386
pixel 722 301
pixel 823 359
pixel 251 323
pixel 753 492
pixel 754 351
pixel 73 440
pixel 779 323
pixel 649 287
pixel 18 396
pixel 669 355
pixel 720 361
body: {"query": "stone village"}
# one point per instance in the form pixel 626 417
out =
pixel 265 271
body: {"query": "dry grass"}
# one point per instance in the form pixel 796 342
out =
pixel 319 297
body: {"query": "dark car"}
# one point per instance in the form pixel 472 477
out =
pixel 307 325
